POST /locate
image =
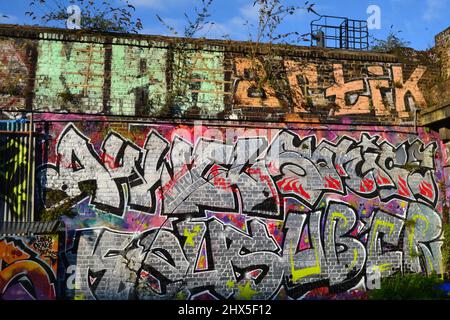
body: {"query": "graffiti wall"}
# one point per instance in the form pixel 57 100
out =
pixel 204 211
pixel 215 83
pixel 60 71
pixel 28 267
pixel 226 208
pixel 16 74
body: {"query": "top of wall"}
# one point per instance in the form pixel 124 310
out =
pixel 77 71
pixel 442 35
pixel 45 33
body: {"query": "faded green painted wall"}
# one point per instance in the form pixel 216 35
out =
pixel 137 72
pixel 154 77
pixel 69 76
pixel 206 87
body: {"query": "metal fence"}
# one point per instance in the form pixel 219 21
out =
pixel 26 228
pixel 17 167
pixel 340 32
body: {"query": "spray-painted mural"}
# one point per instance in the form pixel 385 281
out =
pixel 161 77
pixel 16 70
pixel 197 212
pixel 172 209
pixel 28 267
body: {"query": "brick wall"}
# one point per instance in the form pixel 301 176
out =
pixel 178 208
pixel 443 48
pixel 62 71
pixel 240 210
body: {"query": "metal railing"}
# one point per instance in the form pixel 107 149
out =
pixel 29 228
pixel 16 171
pixel 339 32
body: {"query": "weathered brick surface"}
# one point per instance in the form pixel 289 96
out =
pixel 243 210
pixel 158 76
pixel 168 208
pixel 443 48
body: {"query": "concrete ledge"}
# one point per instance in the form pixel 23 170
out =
pixel 429 116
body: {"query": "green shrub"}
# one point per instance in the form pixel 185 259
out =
pixel 409 287
pixel 446 249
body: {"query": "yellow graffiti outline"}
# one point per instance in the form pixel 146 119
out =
pixel 335 215
pixel 189 237
pixel 302 273
pixel 382 267
pixel 19 159
pixel 413 229
pixel 391 227
pixel 355 258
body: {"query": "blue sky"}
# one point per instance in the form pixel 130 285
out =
pixel 418 20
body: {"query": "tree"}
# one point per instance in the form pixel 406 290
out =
pixel 266 70
pixel 392 42
pixel 193 25
pixel 176 96
pixel 271 15
pixel 96 15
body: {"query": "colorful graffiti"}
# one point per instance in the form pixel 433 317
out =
pixel 28 268
pixel 133 77
pixel 245 213
pixel 180 173
pixel 381 90
pixel 193 258
pixel 128 80
pixel 17 58
pixel 215 210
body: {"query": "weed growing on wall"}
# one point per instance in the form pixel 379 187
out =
pixel 392 42
pixel 96 15
pixel 267 69
pixel 446 249
pixel 58 206
pixel 181 56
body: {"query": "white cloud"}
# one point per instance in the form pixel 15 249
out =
pixel 159 4
pixel 235 28
pixel 160 29
pixel 241 30
pixel 435 9
pixel 216 31
pixel 249 12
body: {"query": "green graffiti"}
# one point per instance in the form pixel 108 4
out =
pixel 374 233
pixel 246 292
